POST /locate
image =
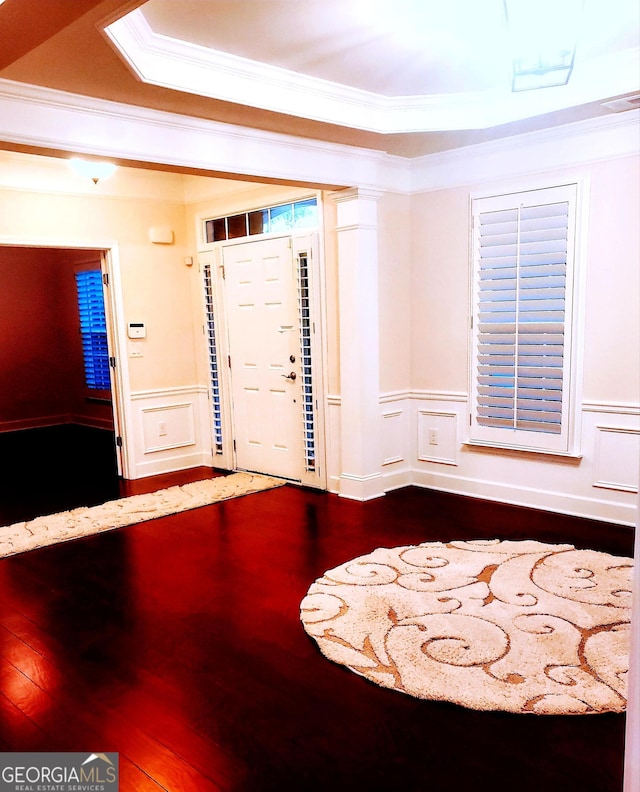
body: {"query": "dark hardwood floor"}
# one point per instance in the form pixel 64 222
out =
pixel 177 643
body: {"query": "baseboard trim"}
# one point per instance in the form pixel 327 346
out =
pixel 397 479
pixel 361 488
pixel 171 464
pixel 55 420
pixel 560 503
pixel 93 423
pixel 35 423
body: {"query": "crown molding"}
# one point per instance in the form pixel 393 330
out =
pixel 44 118
pixel 168 62
pixel 557 148
pixel 48 119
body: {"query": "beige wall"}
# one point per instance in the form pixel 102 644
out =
pixel 440 283
pixel 612 306
pixel 155 282
pixel 423 306
pixel 394 290
pixel 439 290
pixel 600 480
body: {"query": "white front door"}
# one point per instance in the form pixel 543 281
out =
pixel 262 307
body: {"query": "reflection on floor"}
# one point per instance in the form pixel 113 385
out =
pixel 177 643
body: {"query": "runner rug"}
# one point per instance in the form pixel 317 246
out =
pixel 523 626
pixel 84 521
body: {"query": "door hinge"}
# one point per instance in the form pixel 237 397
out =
pixel 119 441
pixel 229 360
pixel 112 362
pixel 105 278
pixel 234 445
pixel 222 272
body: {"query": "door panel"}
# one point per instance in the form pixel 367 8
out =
pixel 262 314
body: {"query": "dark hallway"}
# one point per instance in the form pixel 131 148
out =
pixel 56 468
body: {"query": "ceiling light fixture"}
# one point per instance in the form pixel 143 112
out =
pixel 543 36
pixel 92 169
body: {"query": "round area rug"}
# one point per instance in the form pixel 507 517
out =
pixel 490 625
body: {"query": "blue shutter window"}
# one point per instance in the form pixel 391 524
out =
pixel 93 329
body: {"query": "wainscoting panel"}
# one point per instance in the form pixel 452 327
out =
pixel 437 437
pixel 393 431
pixel 171 430
pixel 618 458
pixel 170 427
pixel 600 482
pixel 396 443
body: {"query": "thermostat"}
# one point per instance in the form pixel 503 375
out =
pixel 137 330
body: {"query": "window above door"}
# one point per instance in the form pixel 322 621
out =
pixel 282 218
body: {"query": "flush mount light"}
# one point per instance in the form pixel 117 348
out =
pixel 543 36
pixel 93 170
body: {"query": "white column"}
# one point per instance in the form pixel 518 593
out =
pixel 360 423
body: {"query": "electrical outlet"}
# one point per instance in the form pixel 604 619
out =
pixel 162 428
pixel 433 437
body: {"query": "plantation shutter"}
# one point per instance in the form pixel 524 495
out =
pixel 522 318
pixel 93 329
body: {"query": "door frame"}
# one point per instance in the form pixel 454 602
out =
pixel 212 254
pixel 116 335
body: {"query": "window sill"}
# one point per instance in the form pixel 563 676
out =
pixel 522 451
pixel 102 397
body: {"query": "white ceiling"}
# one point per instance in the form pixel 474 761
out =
pixel 405 77
pixel 386 66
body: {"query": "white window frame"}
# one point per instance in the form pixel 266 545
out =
pixel 232 209
pixel 566 442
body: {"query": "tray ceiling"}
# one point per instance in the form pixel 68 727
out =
pixel 409 77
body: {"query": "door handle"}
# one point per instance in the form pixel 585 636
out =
pixel 291 376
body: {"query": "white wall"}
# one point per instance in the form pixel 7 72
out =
pixel 603 481
pixel 420 277
pixel 43 203
pixel 157 288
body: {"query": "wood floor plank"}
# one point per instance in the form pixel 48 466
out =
pixel 177 643
pixel 36 689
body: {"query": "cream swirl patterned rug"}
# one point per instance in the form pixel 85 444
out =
pixel 84 521
pixel 490 625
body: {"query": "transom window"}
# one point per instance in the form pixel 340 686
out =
pixel 273 219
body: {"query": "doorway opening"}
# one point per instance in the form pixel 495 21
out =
pixel 59 425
